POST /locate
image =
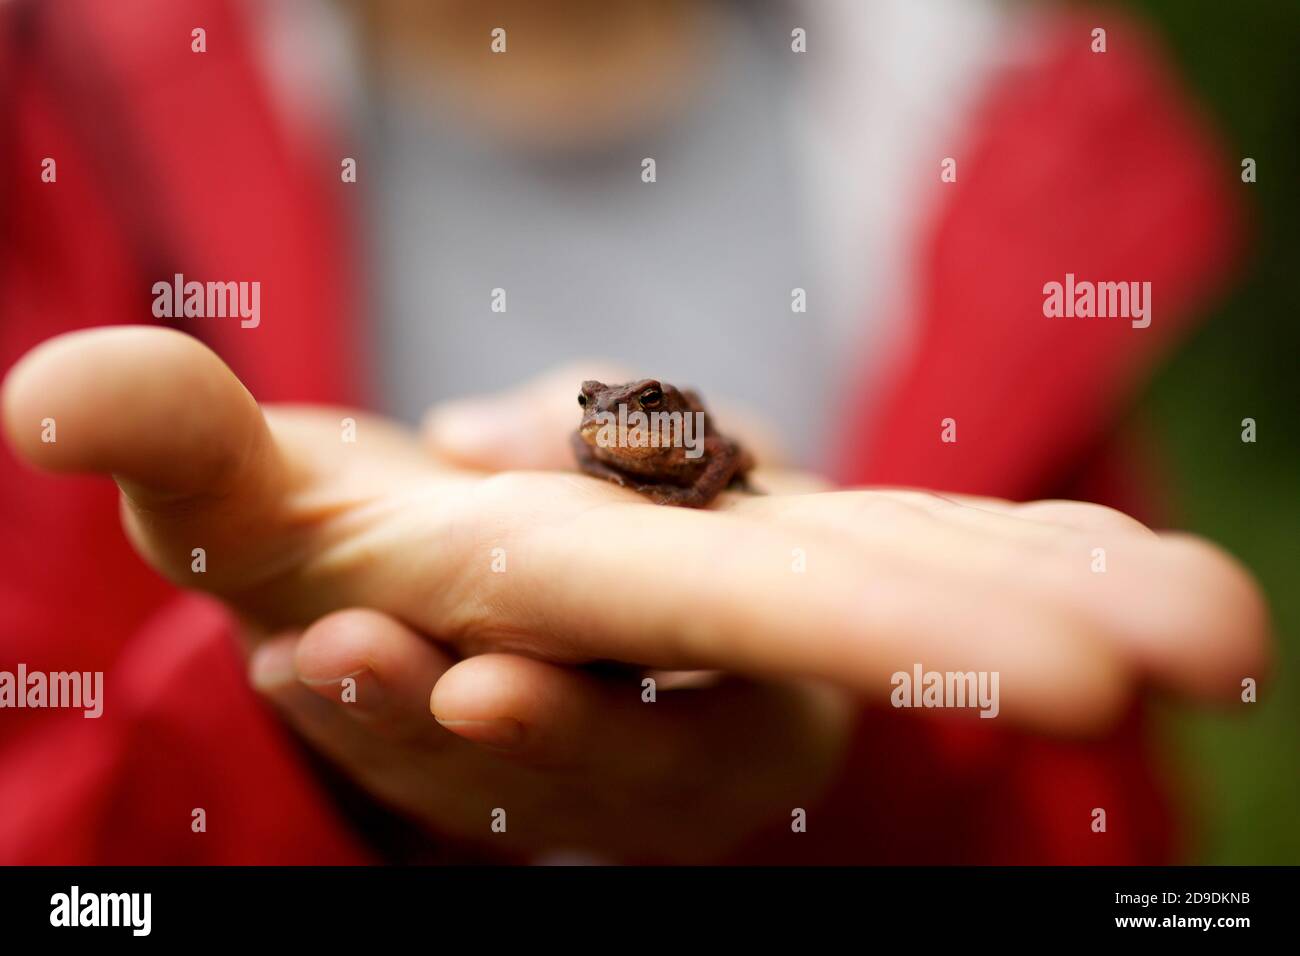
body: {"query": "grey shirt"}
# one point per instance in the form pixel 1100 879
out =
pixel 688 278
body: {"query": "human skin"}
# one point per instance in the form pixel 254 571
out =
pixel 374 559
pixel 577 74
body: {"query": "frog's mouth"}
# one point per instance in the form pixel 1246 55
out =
pixel 596 435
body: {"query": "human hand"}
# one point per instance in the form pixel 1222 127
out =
pixel 296 523
pixel 580 760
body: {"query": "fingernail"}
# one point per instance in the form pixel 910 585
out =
pixel 359 693
pixel 271 667
pixel 500 734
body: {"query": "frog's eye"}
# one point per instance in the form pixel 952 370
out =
pixel 582 399
pixel 651 398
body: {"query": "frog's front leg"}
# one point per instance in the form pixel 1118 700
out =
pixel 591 465
pixel 715 476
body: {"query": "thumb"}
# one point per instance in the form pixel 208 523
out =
pixel 165 417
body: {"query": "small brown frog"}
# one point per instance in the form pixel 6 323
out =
pixel 657 440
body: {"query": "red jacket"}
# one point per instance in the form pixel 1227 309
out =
pixel 172 162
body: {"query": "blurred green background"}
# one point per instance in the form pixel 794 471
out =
pixel 1242 765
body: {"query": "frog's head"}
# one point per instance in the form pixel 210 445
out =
pixel 607 431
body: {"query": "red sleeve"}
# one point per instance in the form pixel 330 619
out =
pixel 1085 163
pixel 180 730
pixel 1091 164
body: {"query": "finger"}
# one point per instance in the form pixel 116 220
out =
pixel 540 713
pixel 682 589
pixel 1080 515
pixel 272 672
pixel 1020 521
pixel 170 422
pixel 524 427
pixel 376 669
pixel 1180 610
pixel 153 407
pixel 1191 615
pixel 559 567
pixel 435 785
pixel 560 717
